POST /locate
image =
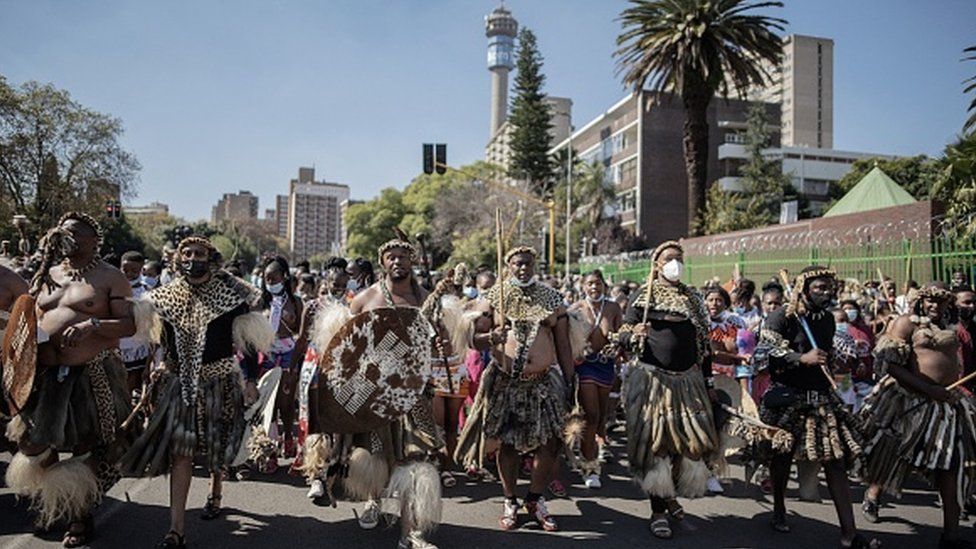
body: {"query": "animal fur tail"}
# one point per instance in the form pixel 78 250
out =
pixel 368 475
pixel 659 481
pixel 459 324
pixel 252 331
pixel 328 320
pixel 68 492
pixel 149 326
pixel 25 472
pixel 315 457
pixel 418 486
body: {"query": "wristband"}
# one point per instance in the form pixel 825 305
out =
pixel 96 323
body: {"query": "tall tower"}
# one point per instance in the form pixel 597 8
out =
pixel 500 28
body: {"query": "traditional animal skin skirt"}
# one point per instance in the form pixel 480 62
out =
pixel 526 412
pixel 212 425
pixel 823 430
pixel 906 432
pixel 79 405
pixel 670 430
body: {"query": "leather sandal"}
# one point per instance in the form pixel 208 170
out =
pixel 861 542
pixel 172 540
pixel 76 537
pixel 779 523
pixel 212 509
pixel 661 528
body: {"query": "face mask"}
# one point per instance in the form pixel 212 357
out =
pixel 672 270
pixel 150 281
pixel 276 289
pixel 516 282
pixel 821 301
pixel 135 282
pixel 352 285
pixel 842 328
pixel 851 315
pixel 966 314
pixel 470 292
pixel 194 269
pixel 599 299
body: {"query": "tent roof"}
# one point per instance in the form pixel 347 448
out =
pixel 874 191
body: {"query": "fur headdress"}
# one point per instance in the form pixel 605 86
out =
pixel 86 219
pixel 798 302
pixel 933 290
pixel 521 250
pixel 198 240
pixel 401 241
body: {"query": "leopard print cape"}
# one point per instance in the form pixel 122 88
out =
pixel 189 309
pixel 681 300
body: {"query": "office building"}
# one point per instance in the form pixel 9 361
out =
pixel 281 215
pixel 153 208
pixel 803 85
pixel 638 141
pixel 314 220
pixel 235 207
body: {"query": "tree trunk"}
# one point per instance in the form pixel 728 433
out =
pixel 695 143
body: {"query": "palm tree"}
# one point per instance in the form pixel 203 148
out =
pixel 970 86
pixel 697 49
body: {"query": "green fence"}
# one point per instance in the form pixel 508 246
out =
pixel 921 260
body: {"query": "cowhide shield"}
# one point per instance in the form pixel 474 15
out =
pixel 373 370
pixel 20 352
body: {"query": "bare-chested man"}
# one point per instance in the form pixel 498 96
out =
pixel 934 427
pixel 407 445
pixel 597 372
pixel 79 399
pixel 532 369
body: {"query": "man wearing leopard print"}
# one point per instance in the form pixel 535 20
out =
pixel 396 458
pixel 201 320
pixel 79 399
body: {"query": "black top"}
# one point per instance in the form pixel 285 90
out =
pixel 786 368
pixel 670 344
pixel 219 342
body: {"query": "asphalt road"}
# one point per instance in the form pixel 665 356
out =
pixel 272 511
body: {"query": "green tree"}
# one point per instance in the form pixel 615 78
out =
pixel 371 223
pixel 697 49
pixel 530 119
pixel 956 186
pixel 764 185
pixel 916 174
pixel 57 155
pixel 970 84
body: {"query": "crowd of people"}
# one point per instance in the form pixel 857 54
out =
pixel 390 381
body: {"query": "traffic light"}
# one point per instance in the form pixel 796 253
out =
pixel 440 158
pixel 117 210
pixel 113 209
pixel 428 158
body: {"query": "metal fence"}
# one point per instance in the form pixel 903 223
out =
pixel 920 259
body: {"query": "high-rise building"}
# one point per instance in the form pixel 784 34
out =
pixel 154 208
pixel 499 147
pixel 343 212
pixel 500 28
pixel 638 141
pixel 803 85
pixel 281 215
pixel 233 207
pixel 314 219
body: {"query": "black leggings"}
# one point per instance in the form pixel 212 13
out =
pixel 659 505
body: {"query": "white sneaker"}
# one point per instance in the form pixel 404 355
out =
pixel 714 486
pixel 370 516
pixel 592 481
pixel 317 490
pixel 415 540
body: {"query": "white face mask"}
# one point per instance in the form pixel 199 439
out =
pixel 516 282
pixel 672 270
pixel 276 289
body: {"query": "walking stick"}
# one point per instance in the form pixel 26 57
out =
pixel 806 327
pixel 500 263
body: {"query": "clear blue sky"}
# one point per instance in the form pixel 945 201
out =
pixel 222 96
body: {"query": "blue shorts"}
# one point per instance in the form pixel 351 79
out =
pixel 598 370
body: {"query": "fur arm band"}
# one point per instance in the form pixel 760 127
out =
pixel 252 333
pixel 149 326
pixel 773 351
pixel 890 351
